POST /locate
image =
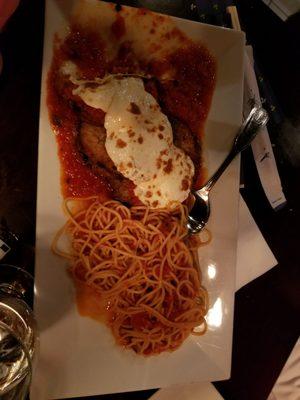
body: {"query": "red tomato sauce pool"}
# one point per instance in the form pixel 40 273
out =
pixel 77 178
pixel 186 97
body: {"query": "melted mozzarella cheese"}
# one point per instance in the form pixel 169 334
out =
pixel 133 136
pixel 139 138
pixel 92 93
pixel 172 183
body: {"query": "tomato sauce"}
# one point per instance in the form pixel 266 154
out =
pixel 77 179
pixel 90 303
pixel 186 96
pixel 86 49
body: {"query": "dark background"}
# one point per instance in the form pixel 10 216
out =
pixel 267 310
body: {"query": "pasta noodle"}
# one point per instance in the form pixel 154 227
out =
pixel 142 267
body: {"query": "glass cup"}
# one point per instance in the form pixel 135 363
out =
pixel 18 332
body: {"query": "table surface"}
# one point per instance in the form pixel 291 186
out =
pixel 266 322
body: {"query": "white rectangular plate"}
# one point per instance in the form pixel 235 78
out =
pixel 78 356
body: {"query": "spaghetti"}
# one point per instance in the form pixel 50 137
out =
pixel 142 269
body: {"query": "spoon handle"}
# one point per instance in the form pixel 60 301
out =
pixel 256 119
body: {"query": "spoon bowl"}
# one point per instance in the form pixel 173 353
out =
pixel 200 212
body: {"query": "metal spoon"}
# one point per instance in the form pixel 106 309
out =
pixel 200 212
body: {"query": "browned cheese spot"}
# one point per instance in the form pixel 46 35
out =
pixel 161 128
pixel 148 194
pixel 140 139
pixel 131 133
pixel 134 109
pixel 169 166
pixel 121 144
pixel 160 136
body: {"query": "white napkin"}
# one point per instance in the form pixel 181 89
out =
pixel 287 386
pixel 254 258
pixel 261 146
pixel 283 8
